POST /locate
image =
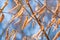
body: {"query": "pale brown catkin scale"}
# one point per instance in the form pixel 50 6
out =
pixel 25 23
pixel 56 36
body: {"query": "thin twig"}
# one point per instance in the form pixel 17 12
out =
pixel 5 4
pixel 38 21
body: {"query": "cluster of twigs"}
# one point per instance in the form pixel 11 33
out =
pixel 27 20
pixel 13 33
